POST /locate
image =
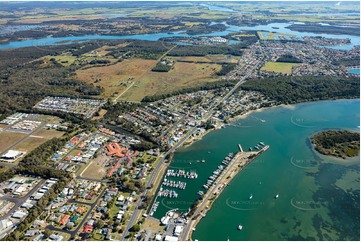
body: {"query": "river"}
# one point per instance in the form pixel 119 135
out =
pixel 281 28
pixel 318 195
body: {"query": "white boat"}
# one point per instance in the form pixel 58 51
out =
pixel 240 227
pixel 250 197
pixel 203 161
pixel 276 196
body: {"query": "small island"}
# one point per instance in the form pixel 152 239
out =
pixel 339 143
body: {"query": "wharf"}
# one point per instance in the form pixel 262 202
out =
pixel 239 161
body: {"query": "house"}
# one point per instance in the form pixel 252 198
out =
pixel 64 219
pixel 121 198
pixel 81 210
pixel 74 218
pixel 88 228
pixel 112 193
pixel 90 222
pixel 39 223
pixel 70 225
pixel 39 237
pixel 73 208
pixel 19 214
pixel 38 196
pixel 63 209
pixel 97 215
pixel 56 237
pixel 27 205
pixel 31 233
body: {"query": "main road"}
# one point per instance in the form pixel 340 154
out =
pixel 179 144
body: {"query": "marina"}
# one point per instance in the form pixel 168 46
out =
pixel 218 182
pixel 182 174
pixel 167 193
pixel 174 184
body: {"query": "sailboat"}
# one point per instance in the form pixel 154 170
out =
pixel 240 227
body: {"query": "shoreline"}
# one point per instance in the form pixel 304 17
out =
pixel 192 140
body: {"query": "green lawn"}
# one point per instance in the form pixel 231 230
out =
pixel 281 67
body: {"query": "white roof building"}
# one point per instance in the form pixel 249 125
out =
pixel 6 223
pixel 19 214
pixel 170 238
pixel 177 230
pixel 12 154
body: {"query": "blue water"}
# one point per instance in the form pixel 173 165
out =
pixel 318 195
pixel 354 71
pixel 355 40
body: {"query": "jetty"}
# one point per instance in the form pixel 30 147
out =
pixel 234 166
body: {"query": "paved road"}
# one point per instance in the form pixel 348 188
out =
pixel 75 232
pixel 87 215
pixel 19 201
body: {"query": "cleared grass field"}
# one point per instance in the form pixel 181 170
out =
pixel 29 144
pixel 281 67
pixel 182 75
pixel 37 138
pixel 8 139
pixel 114 77
pixel 48 133
pixel 94 171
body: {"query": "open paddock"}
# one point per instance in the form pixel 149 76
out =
pixel 48 133
pixel 8 139
pixel 29 144
pixel 281 67
pixel 181 76
pixel 94 170
pixel 115 78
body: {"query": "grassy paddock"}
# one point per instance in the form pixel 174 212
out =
pixel 182 75
pixel 281 67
